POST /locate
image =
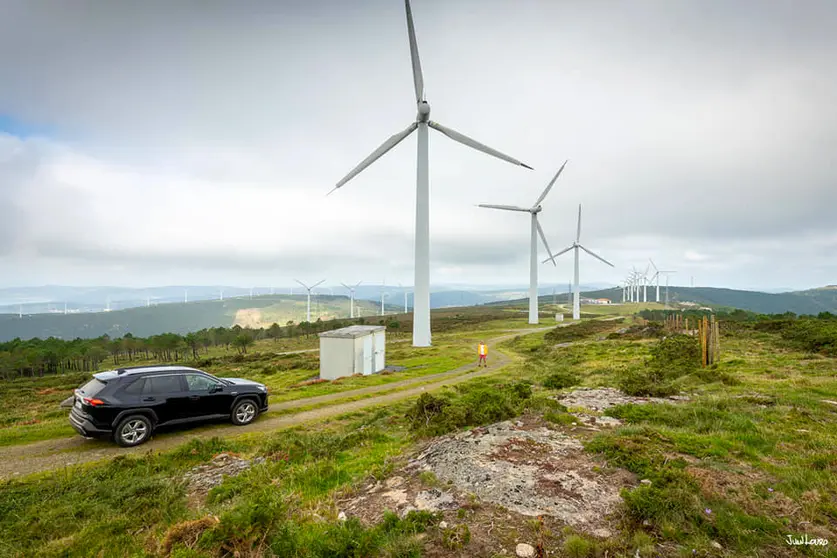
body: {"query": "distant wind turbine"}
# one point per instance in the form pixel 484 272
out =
pixel 576 246
pixel 533 243
pixel 309 289
pixel 383 295
pixel 352 297
pixel 405 297
pixel 667 272
pixel 185 295
pixel 421 292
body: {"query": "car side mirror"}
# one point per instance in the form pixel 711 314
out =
pixel 216 388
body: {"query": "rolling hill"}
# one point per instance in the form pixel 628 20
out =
pixel 811 301
pixel 180 318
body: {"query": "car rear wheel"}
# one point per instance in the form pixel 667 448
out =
pixel 244 412
pixel 132 431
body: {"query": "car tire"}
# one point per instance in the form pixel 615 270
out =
pixel 133 431
pixel 245 412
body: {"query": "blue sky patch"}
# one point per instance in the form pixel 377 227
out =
pixel 11 125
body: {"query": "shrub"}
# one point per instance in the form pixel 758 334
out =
pixel 434 415
pixel 576 332
pixel 578 547
pixel 560 380
pixel 677 354
pixel 646 382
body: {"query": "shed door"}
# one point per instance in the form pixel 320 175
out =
pixel 368 354
pixel 380 345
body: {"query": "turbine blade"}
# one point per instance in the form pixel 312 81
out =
pixel 418 79
pixel 564 251
pixel 319 283
pixel 578 234
pixel 549 186
pixel 358 284
pixel 652 263
pixel 347 286
pixel 504 207
pixel 303 284
pixel 465 140
pixel 545 243
pixel 393 140
pixel 595 256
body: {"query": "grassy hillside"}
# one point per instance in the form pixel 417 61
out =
pixel 179 318
pixel 742 460
pixel 800 302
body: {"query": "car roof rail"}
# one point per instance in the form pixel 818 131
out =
pixel 149 367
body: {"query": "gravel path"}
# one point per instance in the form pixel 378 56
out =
pixel 48 455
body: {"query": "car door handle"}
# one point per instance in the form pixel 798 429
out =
pixel 194 397
pixel 149 399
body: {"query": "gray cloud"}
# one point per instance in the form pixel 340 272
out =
pixel 202 136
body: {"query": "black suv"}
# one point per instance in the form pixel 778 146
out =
pixel 129 403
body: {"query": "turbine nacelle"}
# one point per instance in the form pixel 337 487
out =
pixel 423 111
pixel 537 209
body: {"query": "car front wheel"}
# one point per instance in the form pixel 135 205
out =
pixel 244 412
pixel 132 431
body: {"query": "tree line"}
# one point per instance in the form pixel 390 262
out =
pixel 40 357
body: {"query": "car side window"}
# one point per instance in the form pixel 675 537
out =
pixel 135 388
pixel 199 382
pixel 158 385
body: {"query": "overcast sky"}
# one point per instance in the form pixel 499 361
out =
pixel 153 143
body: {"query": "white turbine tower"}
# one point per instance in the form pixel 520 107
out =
pixel 421 293
pixel 667 273
pixel 309 289
pixel 383 295
pixel 575 247
pixel 533 243
pixel 405 297
pixel 185 296
pixel 657 277
pixel 352 297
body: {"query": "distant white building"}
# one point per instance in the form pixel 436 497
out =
pixel 357 349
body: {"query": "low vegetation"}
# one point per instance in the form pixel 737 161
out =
pixel 747 460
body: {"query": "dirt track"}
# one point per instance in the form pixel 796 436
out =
pixel 31 458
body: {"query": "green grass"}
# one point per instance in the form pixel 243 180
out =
pixel 750 456
pixel 33 413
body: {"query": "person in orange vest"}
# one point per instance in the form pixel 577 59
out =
pixel 483 352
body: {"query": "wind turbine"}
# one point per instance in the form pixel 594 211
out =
pixel 667 275
pixel 309 289
pixel 657 273
pixel 405 297
pixel 352 297
pixel 533 244
pixel 575 247
pixel 185 295
pixel 422 123
pixel 383 296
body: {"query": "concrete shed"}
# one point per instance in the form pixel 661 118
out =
pixel 357 349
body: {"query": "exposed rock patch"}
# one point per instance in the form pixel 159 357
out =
pixel 601 399
pixel 532 472
pixel 204 478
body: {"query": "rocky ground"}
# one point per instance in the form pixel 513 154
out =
pixel 511 481
pixel 589 404
pixel 204 478
pixel 502 480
